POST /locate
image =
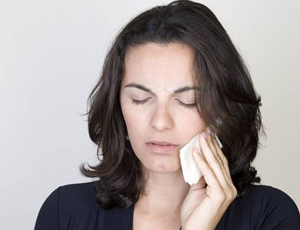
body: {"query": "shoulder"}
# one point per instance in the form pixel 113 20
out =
pixel 65 203
pixel 272 207
pixel 72 195
pixel 80 193
pixel 271 196
pixel 266 194
pixel 278 209
pixel 76 197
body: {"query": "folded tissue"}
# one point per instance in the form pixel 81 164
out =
pixel 191 172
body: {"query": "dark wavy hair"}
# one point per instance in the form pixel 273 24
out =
pixel 227 101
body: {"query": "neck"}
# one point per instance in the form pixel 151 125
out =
pixel 164 195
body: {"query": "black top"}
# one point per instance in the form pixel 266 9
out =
pixel 73 207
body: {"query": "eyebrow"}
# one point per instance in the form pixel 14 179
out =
pixel 180 90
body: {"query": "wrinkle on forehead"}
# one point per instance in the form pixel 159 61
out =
pixel 159 66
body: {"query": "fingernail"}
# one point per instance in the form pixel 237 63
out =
pixel 204 134
pixel 208 132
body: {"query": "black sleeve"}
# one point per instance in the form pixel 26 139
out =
pixel 48 216
pixel 280 212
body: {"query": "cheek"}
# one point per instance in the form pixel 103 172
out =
pixel 134 119
pixel 191 125
pixel 135 124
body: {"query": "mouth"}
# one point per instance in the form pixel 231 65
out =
pixel 162 143
pixel 162 147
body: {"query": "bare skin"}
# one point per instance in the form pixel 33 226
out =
pixel 162 69
pixel 156 107
pixel 156 215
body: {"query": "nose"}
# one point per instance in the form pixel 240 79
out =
pixel 162 118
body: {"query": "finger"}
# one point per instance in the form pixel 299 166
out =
pixel 209 155
pixel 217 168
pixel 214 146
pixel 225 168
pixel 211 144
pixel 229 190
pixel 221 156
pixel 208 174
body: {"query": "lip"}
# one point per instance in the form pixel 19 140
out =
pixel 162 148
pixel 160 143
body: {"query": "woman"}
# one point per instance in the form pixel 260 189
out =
pixel 171 73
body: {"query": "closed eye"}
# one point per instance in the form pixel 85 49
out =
pixel 138 102
pixel 187 105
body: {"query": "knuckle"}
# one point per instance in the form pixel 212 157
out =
pixel 229 194
pixel 231 197
pixel 221 197
pixel 225 161
pixel 217 164
pixel 235 192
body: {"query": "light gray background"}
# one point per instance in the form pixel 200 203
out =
pixel 51 56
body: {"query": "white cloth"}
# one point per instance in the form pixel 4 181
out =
pixel 191 172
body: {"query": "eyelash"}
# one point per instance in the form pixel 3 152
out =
pixel 137 102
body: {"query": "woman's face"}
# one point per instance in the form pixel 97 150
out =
pixel 160 70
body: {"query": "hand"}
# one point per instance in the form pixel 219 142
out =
pixel 207 201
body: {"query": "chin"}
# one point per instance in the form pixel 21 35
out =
pixel 164 167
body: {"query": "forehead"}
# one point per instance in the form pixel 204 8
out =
pixel 159 65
